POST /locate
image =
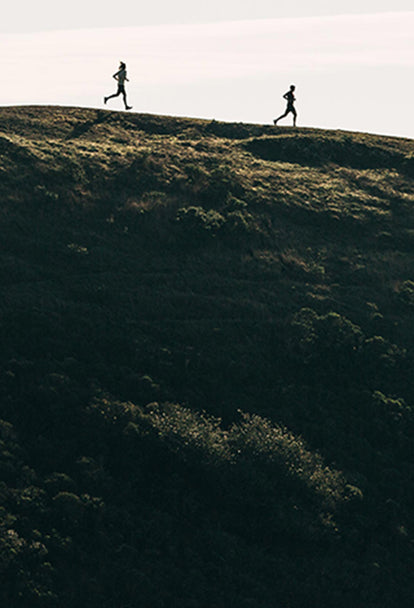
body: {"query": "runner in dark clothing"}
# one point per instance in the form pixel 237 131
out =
pixel 290 108
pixel 120 76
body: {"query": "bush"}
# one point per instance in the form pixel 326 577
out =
pixel 69 506
pixel 197 225
pixel 329 340
pixel 406 293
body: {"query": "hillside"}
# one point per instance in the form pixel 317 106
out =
pixel 207 344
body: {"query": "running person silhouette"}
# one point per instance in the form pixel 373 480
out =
pixel 290 98
pixel 120 76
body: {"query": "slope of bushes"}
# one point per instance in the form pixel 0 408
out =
pixel 206 333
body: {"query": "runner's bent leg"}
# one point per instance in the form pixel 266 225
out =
pixel 280 117
pixel 114 95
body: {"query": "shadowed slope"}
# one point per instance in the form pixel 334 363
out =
pixel 205 383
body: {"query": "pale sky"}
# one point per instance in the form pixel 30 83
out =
pixel 352 62
pixel 40 15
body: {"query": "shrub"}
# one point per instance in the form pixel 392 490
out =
pixel 196 223
pixel 235 204
pixel 263 441
pixel 222 183
pixel 394 407
pixel 69 505
pixel 254 443
pixel 59 482
pixel 331 338
pixel 381 362
pixel 239 223
pixel 406 293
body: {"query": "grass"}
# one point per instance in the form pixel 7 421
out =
pixel 205 373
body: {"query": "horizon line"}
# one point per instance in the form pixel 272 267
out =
pixel 205 119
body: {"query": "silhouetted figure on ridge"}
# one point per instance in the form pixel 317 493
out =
pixel 120 76
pixel 290 108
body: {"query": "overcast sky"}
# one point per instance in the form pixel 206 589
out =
pixel 352 62
pixel 40 15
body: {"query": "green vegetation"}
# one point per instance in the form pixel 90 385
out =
pixel 207 344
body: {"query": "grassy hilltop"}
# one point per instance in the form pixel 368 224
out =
pixel 207 345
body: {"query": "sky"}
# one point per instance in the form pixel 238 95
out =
pixel 352 62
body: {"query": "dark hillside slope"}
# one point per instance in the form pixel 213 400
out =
pixel 207 343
